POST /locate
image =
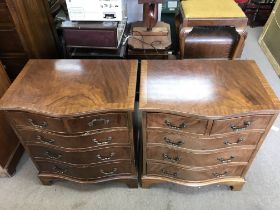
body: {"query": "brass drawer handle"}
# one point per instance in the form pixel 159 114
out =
pixel 234 143
pixel 105 158
pixel 222 160
pixel 167 157
pixel 59 169
pixel 53 156
pixel 44 124
pixel 245 125
pixel 45 140
pixel 167 173
pixel 94 121
pixel 170 142
pixel 109 173
pixel 106 141
pixel 171 125
pixel 218 175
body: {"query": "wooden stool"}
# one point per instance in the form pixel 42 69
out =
pixel 211 13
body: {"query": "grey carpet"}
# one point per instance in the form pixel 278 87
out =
pixel 261 192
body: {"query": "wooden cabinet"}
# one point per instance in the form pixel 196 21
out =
pixel 207 31
pixel 203 121
pixel 10 147
pixel 77 124
pixel 26 31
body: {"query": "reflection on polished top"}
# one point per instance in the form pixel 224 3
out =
pixel 68 87
pixel 205 87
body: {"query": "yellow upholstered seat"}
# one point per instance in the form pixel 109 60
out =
pixel 212 9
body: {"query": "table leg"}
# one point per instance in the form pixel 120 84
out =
pixel 182 37
pixel 240 43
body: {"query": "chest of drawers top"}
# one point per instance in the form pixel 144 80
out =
pixel 206 88
pixel 63 88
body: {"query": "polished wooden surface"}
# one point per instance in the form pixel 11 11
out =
pixel 75 118
pixel 10 148
pixel 73 87
pixel 203 121
pixel 181 85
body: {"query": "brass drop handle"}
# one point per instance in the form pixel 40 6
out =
pixel 234 143
pixel 100 120
pixel 59 169
pixel 105 158
pixel 53 156
pixel 177 127
pixel 218 175
pixel 106 141
pixel 245 125
pixel 173 143
pixel 38 125
pixel 45 140
pixel 167 173
pixel 222 160
pixel 109 173
pixel 172 159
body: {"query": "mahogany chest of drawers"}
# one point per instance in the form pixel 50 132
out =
pixel 74 117
pixel 203 121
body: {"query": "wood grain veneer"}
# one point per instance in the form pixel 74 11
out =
pixel 203 121
pixel 205 88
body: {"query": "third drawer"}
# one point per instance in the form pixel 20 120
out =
pixel 81 157
pixel 191 159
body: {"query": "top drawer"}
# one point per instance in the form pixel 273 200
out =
pixel 175 122
pixel 70 125
pixel 259 122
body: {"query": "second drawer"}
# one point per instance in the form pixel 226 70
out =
pixel 177 156
pixel 193 142
pixel 76 141
pixel 84 157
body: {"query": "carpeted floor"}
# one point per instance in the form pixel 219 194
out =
pixel 261 192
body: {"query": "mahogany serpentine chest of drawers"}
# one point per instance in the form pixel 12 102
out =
pixel 74 117
pixel 203 121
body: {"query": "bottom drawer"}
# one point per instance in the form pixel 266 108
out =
pixel 170 171
pixel 90 172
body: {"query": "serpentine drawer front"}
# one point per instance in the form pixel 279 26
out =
pixel 204 121
pixel 74 117
pixel 89 140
